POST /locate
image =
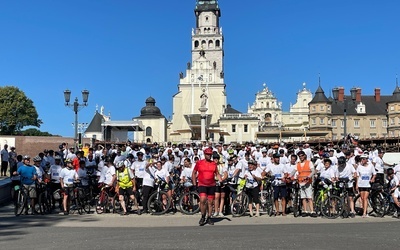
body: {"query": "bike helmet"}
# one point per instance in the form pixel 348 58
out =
pixel 26 157
pixel 37 159
pixel 120 165
pixel 67 160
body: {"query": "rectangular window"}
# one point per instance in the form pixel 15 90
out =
pixel 372 123
pixel 334 137
pixel 342 123
pixel 391 121
pixel 322 121
pixel 313 108
pixel 334 124
pixel 384 123
pixel 245 128
pixel 328 108
pixel 234 128
pixel 373 135
pixel 356 123
pixel 313 121
pixel 322 108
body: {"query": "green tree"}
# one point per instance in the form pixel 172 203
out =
pixel 34 132
pixel 16 111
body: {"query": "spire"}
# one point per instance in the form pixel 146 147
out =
pixel 319 79
pixel 397 82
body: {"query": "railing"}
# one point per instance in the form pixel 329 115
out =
pixel 236 116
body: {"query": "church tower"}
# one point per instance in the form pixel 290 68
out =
pixel 204 74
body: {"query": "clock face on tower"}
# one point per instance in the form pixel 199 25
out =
pixel 200 78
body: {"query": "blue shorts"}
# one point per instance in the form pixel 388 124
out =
pixel 279 192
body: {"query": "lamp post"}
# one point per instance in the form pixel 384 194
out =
pixel 335 92
pixel 76 107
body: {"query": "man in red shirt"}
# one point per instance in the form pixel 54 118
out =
pixel 203 175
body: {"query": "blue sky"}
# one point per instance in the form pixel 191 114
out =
pixel 125 51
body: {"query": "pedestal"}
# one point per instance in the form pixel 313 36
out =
pixel 203 123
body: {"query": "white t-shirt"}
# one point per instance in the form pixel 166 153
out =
pixel 278 171
pixel 291 169
pixel 347 172
pixel 397 171
pixel 139 167
pixel 396 193
pixel 187 173
pixel 264 162
pixel 68 176
pixel 168 166
pixel 378 165
pixel 109 172
pixel 148 176
pixel 243 166
pixel 365 174
pixel 257 155
pixel 161 174
pixel 54 173
pixel 327 173
pixel 251 182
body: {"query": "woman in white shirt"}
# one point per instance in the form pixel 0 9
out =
pixel 365 176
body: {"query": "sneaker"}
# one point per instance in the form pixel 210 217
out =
pixel 352 215
pixel 313 215
pixel 258 214
pixel 251 213
pixel 221 215
pixel 66 213
pixel 395 214
pixel 305 214
pixel 139 212
pixel 209 221
pixel 202 221
pixel 216 214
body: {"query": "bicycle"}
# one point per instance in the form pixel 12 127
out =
pixel 241 200
pixel 297 203
pixel 21 200
pixel 43 204
pixel 103 203
pixel 266 196
pixel 159 202
pixel 189 202
pixel 341 191
pixel 327 204
pixel 376 201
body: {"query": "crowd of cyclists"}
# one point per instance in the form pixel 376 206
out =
pixel 249 179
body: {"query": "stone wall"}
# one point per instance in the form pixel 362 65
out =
pixel 32 145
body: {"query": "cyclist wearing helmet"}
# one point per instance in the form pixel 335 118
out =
pixel 37 160
pixel 125 185
pixel 204 172
pixel 67 177
pixel 28 177
pixel 346 171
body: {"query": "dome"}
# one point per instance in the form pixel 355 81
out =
pixel 150 109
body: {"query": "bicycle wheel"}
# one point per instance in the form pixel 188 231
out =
pixel 42 206
pixel 189 203
pixel 296 205
pixel 378 204
pixel 158 203
pixel 117 208
pixel 332 207
pixel 101 203
pixel 20 202
pixel 239 205
pixel 78 205
pixel 390 208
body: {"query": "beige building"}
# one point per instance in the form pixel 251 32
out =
pixel 363 116
pixel 204 75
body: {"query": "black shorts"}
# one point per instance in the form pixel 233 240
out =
pixel 279 192
pixel 253 195
pixel 364 189
pixel 68 191
pixel 208 192
pixel 350 191
pixel 127 191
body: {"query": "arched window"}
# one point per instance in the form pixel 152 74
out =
pixel 203 43
pixel 196 44
pixel 267 118
pixel 149 131
pixel 148 140
pixel 210 44
pixel 217 43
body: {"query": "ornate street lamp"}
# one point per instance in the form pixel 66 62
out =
pixel 76 107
